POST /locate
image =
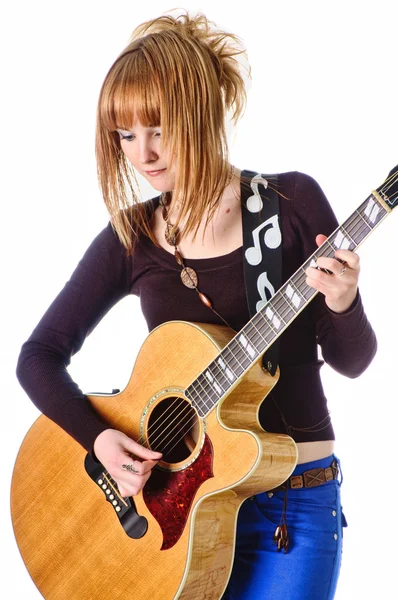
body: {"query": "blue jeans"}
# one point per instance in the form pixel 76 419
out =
pixel 310 569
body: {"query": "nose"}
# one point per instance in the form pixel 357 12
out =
pixel 147 151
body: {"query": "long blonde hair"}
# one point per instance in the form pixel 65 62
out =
pixel 184 74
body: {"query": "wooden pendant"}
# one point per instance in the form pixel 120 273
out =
pixel 178 258
pixel 205 300
pixel 171 237
pixel 189 278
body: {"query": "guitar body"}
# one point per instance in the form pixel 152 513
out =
pixel 74 543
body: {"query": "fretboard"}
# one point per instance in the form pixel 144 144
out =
pixel 239 355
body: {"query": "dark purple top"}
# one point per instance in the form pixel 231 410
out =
pixel 106 274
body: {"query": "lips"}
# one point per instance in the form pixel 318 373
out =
pixel 154 173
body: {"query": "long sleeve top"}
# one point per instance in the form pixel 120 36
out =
pixel 106 274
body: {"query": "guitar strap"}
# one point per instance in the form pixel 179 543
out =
pixel 262 244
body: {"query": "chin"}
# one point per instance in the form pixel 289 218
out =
pixel 160 184
pixel 159 187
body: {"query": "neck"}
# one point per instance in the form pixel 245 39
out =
pixel 229 197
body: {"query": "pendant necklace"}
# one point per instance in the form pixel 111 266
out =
pixel 188 275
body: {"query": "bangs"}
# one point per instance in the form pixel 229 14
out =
pixel 130 93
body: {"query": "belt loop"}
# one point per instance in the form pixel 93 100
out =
pixel 340 472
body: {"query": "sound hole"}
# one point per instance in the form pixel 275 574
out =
pixel 173 429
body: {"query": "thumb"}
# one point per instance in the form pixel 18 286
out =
pixel 140 451
pixel 320 239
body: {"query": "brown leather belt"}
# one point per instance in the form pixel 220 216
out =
pixel 311 478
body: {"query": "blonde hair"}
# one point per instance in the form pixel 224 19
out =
pixel 184 74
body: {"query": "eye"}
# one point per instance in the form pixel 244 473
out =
pixel 125 135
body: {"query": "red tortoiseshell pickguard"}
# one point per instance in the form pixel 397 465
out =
pixel 169 494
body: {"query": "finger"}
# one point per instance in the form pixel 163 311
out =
pixel 318 280
pixel 334 266
pixel 138 467
pixel 326 283
pixel 132 486
pixel 320 239
pixel 141 451
pixel 351 258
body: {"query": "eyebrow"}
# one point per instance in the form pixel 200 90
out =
pixel 129 130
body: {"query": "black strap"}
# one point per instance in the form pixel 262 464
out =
pixel 262 244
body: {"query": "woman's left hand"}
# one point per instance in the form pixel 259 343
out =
pixel 340 287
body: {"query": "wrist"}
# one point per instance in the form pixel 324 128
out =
pixel 343 306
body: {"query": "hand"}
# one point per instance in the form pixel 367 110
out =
pixel 114 449
pixel 339 288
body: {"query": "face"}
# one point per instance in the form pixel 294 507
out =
pixel 143 148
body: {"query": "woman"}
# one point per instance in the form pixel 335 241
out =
pixel 162 111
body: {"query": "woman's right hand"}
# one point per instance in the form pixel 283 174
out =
pixel 114 449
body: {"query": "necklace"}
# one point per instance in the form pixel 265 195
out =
pixel 188 275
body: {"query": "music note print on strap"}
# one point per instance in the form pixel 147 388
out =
pixel 254 203
pixel 263 283
pixel 272 239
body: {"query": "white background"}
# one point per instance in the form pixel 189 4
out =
pixel 323 101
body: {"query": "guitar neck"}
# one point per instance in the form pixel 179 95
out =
pixel 256 337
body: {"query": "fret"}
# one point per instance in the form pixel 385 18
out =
pixel 206 396
pixel 306 291
pixel 263 325
pixel 249 348
pixel 243 351
pixel 341 241
pixel 254 334
pixel 270 329
pixel 217 378
pixel 214 382
pixel 228 373
pixel 355 227
pixel 289 311
pixel 262 341
pixel 206 392
pixel 197 401
pixel 229 357
pixel 219 374
pixel 199 394
pixel 192 395
pixel 211 388
pixel 203 401
pixel 372 209
pixel 273 319
pixel 332 249
pixel 347 234
pixel 364 220
pixel 273 314
pixel 294 295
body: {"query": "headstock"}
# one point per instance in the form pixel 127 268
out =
pixel 389 188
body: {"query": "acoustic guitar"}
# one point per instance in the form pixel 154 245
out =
pixel 80 540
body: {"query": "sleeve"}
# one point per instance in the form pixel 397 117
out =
pixel 99 281
pixel 347 340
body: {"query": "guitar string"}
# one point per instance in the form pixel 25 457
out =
pixel 283 317
pixel 352 233
pixel 388 183
pixel 293 309
pixel 165 416
pixel 383 189
pixel 287 310
pixel 181 422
